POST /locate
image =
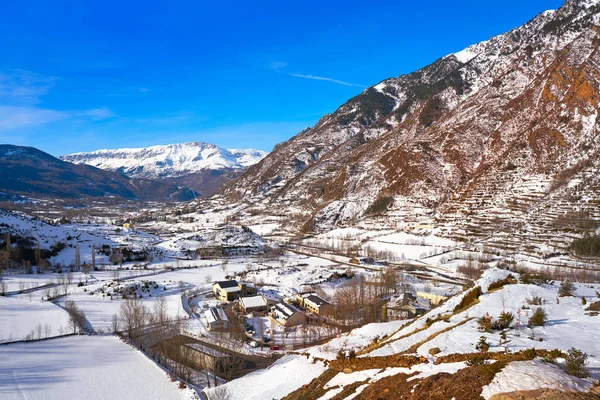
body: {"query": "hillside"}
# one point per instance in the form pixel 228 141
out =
pixel 500 138
pixel 29 172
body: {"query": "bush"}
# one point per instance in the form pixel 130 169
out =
pixel 594 306
pixel 538 318
pixel 476 361
pixel 566 289
pixel 535 301
pixel 530 354
pixel 575 363
pixel 469 299
pixel 483 346
pixel 352 354
pixel 503 322
pixel 583 301
pixel 553 355
pixel 485 323
pixel 509 280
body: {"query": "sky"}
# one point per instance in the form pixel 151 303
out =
pixel 80 76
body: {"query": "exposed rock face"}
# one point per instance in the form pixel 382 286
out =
pixel 503 133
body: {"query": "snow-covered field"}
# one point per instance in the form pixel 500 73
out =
pixel 82 367
pixel 286 375
pixel 20 317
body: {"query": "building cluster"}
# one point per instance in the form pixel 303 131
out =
pixel 288 313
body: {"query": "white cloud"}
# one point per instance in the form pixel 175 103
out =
pixel 321 78
pixel 97 114
pixel 15 117
pixel 277 65
pixel 23 87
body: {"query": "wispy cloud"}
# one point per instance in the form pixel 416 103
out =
pixel 96 114
pixel 15 117
pixel 23 87
pixel 322 78
pixel 277 65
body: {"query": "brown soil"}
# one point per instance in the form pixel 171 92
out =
pixel 544 394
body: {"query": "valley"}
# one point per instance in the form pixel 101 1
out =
pixel 435 237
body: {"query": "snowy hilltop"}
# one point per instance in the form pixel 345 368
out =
pixel 172 160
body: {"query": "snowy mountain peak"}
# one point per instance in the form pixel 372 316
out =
pixel 172 160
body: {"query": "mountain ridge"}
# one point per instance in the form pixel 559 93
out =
pixel 168 161
pixel 515 115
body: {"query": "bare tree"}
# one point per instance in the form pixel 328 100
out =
pixel 77 258
pixel 77 319
pixel 93 257
pixel 115 323
pixel 134 315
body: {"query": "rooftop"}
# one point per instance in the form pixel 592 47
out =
pixel 253 301
pixel 227 284
pixel 313 298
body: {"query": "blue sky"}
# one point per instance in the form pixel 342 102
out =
pixel 79 76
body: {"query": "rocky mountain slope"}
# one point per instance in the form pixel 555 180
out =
pixel 29 172
pixel 500 137
pixel 172 161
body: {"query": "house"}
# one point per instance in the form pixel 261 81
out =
pixel 207 357
pixel 434 299
pixel 226 290
pixel 287 315
pixel 301 296
pixel 216 319
pixel 405 307
pixel 405 311
pixel 318 306
pixel 256 303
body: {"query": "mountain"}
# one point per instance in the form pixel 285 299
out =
pixel 171 161
pixel 500 139
pixel 29 172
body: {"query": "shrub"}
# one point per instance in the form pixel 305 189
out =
pixel 485 323
pixel 530 354
pixel 566 289
pixel 352 354
pixel 575 363
pixel 182 385
pixel 594 306
pixel 483 346
pixel 341 354
pixel 509 280
pixel 535 301
pixel 583 301
pixel 553 355
pixel 469 299
pixel 538 318
pixel 476 361
pixel 503 322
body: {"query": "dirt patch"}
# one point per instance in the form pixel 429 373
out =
pixel 466 384
pixel 544 394
pixel 363 363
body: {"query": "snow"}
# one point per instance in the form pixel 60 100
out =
pixel 532 375
pixel 82 367
pixel 168 160
pixel 288 374
pixel 19 317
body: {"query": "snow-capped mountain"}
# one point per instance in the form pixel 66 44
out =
pixel 168 161
pixel 502 136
